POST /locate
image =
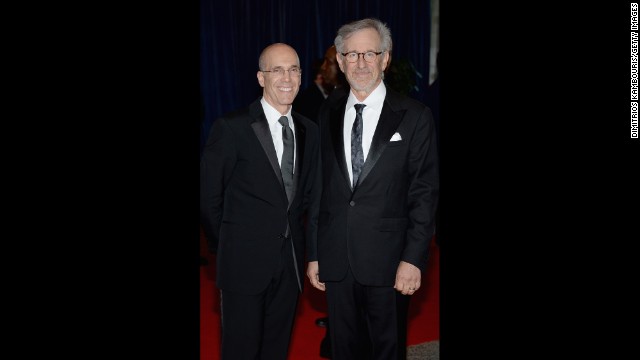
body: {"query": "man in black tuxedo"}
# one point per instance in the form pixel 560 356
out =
pixel 379 196
pixel 257 177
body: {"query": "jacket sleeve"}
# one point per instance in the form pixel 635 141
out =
pixel 216 167
pixel 313 193
pixel 423 190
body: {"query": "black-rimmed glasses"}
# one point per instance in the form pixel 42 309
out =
pixel 368 56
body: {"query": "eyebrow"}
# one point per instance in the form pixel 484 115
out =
pixel 280 67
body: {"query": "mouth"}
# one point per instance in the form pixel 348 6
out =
pixel 285 89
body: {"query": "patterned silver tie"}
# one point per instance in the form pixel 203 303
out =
pixel 357 154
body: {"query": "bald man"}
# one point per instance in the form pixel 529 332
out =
pixel 257 177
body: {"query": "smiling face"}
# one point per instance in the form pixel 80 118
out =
pixel 279 91
pixel 363 76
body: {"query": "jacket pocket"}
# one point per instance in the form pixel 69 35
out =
pixel 395 143
pixel 392 224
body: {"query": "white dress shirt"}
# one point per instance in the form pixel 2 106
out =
pixel 370 116
pixel 275 127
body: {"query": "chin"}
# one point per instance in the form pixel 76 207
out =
pixel 367 87
pixel 288 99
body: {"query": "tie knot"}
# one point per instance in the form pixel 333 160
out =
pixel 284 121
pixel 359 108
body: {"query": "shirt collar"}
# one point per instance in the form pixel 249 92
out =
pixel 274 115
pixel 376 98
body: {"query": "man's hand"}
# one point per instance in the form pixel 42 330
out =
pixel 313 273
pixel 407 278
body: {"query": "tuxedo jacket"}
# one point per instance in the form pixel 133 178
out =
pixel 389 216
pixel 243 205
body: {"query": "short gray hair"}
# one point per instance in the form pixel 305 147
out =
pixel 347 30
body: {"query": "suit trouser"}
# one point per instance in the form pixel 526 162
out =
pixel 356 310
pixel 258 327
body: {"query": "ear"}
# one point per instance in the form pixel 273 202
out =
pixel 385 60
pixel 260 77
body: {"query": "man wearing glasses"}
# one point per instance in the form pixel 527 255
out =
pixel 379 195
pixel 257 177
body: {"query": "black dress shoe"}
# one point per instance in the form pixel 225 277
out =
pixel 322 322
pixel 325 348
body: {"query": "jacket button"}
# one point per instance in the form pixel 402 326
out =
pixel 352 203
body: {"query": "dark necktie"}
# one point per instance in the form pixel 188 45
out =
pixel 286 165
pixel 286 168
pixel 357 155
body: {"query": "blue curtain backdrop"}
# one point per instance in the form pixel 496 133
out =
pixel 233 33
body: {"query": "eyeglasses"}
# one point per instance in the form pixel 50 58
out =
pixel 295 71
pixel 368 56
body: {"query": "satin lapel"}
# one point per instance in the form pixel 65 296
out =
pixel 387 126
pixel 261 128
pixel 300 146
pixel 336 123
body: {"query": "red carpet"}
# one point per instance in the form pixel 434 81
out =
pixel 305 345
